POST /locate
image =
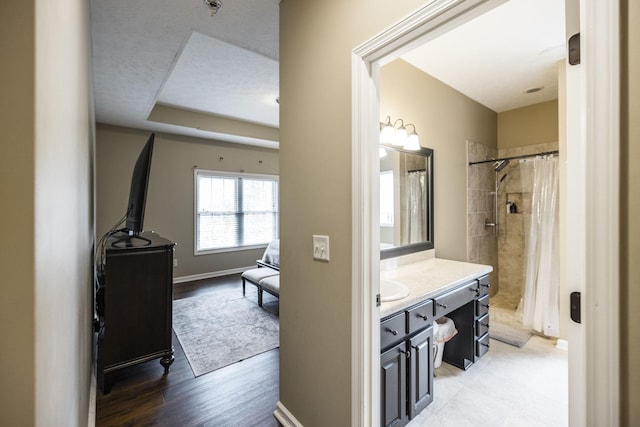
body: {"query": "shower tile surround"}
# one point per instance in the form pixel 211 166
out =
pixel 482 245
pixel 506 252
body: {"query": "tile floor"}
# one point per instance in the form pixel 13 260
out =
pixel 509 386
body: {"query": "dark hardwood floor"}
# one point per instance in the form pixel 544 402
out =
pixel 243 394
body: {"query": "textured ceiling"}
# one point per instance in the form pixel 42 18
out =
pixel 173 52
pixel 168 65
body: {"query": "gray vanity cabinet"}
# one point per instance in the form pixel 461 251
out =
pixel 421 372
pixel 406 363
pixel 393 382
pixel 406 343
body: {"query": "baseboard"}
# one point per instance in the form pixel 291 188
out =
pixel 209 275
pixel 562 344
pixel 285 417
pixel 93 387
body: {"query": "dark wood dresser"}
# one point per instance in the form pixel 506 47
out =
pixel 135 304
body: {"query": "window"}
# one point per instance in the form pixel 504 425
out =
pixel 234 211
pixel 386 198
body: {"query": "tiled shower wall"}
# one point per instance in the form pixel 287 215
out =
pixel 481 241
pixel 506 250
pixel 513 229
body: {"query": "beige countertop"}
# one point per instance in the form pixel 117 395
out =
pixel 427 278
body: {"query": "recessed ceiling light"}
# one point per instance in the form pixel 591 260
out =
pixel 534 89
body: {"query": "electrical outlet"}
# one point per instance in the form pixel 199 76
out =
pixel 321 247
pixel 175 262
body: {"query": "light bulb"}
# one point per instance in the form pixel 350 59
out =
pixel 387 134
pixel 401 137
pixel 413 142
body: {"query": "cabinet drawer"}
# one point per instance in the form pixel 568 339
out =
pixel 482 306
pixel 420 316
pixel 392 330
pixel 452 300
pixel 482 325
pixel 483 285
pixel 482 345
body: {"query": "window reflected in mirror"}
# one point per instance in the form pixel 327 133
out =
pixel 406 201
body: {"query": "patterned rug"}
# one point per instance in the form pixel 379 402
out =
pixel 221 328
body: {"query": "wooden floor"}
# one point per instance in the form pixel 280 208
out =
pixel 240 395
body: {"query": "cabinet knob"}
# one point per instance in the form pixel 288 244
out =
pixel 406 353
pixel 486 325
pixel 486 285
pixel 442 305
pixel 485 305
pixel 392 331
pixel 423 316
pixel 486 345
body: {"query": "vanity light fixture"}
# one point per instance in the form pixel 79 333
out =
pixel 413 142
pixel 398 136
pixel 387 132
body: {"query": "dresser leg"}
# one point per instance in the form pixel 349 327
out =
pixel 167 360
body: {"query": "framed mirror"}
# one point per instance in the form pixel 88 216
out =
pixel 406 201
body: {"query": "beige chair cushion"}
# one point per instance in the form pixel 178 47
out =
pixel 255 275
pixel 271 283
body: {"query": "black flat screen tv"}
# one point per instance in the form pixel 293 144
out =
pixel 138 195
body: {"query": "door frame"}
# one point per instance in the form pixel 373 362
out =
pixel 598 118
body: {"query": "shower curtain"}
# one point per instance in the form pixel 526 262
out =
pixel 540 309
pixel 415 230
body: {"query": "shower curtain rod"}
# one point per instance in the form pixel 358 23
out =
pixel 524 156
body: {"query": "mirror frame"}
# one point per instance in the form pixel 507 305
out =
pixel 429 244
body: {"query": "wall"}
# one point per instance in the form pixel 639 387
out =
pixel 170 197
pixel 630 210
pixel 534 124
pixel 17 150
pixel 46 120
pixel 316 41
pixel 444 119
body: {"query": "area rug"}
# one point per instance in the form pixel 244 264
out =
pixel 508 335
pixel 221 328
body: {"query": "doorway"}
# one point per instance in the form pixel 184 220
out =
pixel 594 403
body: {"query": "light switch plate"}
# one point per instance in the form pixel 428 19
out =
pixel 321 247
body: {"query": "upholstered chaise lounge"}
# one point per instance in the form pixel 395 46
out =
pixel 266 277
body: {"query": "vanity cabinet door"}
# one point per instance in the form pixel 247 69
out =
pixel 420 372
pixel 393 377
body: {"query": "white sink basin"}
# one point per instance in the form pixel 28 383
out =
pixel 392 291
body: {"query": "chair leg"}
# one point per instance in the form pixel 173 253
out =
pixel 243 287
pixel 260 296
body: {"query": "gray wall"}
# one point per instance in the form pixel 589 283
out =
pixel 170 198
pixel 315 111
pixel 46 117
pixel 445 119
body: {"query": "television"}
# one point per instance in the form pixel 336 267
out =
pixel 138 196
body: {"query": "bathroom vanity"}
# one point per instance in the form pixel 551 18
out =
pixel 413 297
